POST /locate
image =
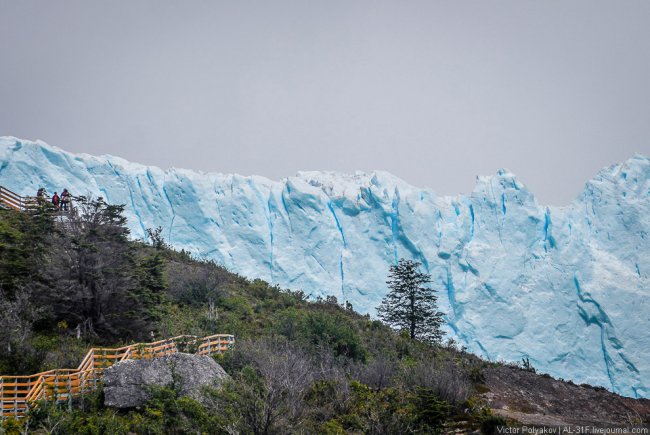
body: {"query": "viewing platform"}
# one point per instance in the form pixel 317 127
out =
pixel 10 200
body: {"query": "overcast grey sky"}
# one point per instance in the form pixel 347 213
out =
pixel 434 92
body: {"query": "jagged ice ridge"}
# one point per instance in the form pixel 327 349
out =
pixel 567 287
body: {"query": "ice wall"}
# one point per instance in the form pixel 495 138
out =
pixel 566 287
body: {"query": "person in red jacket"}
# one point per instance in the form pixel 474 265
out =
pixel 56 200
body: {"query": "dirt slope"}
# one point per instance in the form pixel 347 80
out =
pixel 541 400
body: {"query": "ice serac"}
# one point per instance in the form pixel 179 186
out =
pixel 566 287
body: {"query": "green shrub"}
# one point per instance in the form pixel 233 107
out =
pixel 12 426
pixel 430 410
pixel 476 375
pixel 335 331
pixel 332 427
pixel 490 424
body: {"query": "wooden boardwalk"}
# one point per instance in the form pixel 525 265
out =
pixel 20 393
pixel 12 200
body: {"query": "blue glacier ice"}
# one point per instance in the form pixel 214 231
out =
pixel 566 287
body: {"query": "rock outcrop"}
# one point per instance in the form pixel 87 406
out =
pixel 129 383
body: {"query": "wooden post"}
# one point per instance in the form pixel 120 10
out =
pixel 69 392
pixel 16 397
pixel 92 365
pixel 2 394
pixel 29 390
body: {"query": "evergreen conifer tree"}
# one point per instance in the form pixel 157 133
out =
pixel 410 304
pixel 97 283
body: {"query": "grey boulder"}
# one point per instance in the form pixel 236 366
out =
pixel 129 383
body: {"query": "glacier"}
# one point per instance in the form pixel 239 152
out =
pixel 566 287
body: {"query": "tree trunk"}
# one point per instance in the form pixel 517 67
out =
pixel 412 313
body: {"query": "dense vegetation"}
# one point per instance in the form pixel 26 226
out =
pixel 299 366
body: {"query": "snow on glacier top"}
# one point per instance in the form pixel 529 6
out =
pixel 332 183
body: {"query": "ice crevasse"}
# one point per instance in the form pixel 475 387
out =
pixel 567 287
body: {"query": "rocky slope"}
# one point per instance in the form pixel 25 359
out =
pixel 533 399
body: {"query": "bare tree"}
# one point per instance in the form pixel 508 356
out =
pixel 17 316
pixel 446 379
pixel 269 393
pixel 378 373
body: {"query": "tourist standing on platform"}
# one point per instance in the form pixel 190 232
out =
pixel 56 200
pixel 65 200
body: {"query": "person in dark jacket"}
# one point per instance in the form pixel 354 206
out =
pixel 40 195
pixel 65 200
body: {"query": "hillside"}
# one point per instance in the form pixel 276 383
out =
pixel 565 287
pixel 81 282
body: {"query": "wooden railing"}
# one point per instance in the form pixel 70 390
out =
pixel 20 393
pixel 9 199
